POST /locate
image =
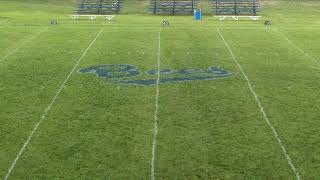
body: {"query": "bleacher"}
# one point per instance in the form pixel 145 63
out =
pixel 98 7
pixel 236 7
pixel 173 7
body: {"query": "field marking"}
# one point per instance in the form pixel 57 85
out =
pixel 290 162
pixel 155 129
pixel 22 44
pixel 295 46
pixel 49 106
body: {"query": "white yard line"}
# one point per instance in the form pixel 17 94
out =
pixel 22 44
pixel 275 134
pixel 295 46
pixel 155 129
pixel 49 107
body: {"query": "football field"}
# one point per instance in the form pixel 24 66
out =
pixel 130 99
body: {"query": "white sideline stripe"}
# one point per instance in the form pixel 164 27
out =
pixel 261 108
pixel 295 46
pixel 49 107
pixel 155 130
pixel 22 44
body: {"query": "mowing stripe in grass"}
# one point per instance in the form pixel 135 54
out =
pixel 290 162
pixel 155 129
pixel 295 46
pixel 22 44
pixel 2 22
pixel 49 106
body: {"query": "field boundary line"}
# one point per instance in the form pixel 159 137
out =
pixel 22 44
pixel 156 111
pixel 49 106
pixel 275 134
pixel 296 47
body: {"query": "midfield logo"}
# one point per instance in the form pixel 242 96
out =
pixel 129 74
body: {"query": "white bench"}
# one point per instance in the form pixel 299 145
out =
pixel 255 18
pixel 92 17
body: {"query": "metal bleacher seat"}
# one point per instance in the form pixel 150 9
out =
pixel 98 7
pixel 173 6
pixel 236 9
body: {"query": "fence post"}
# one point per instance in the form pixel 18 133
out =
pixel 235 7
pixel 254 8
pixel 174 7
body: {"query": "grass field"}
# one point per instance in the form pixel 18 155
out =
pixel 256 115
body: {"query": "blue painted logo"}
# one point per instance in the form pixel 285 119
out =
pixel 129 74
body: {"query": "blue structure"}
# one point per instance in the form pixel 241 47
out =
pixel 197 15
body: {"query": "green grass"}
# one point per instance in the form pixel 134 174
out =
pixel 209 129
